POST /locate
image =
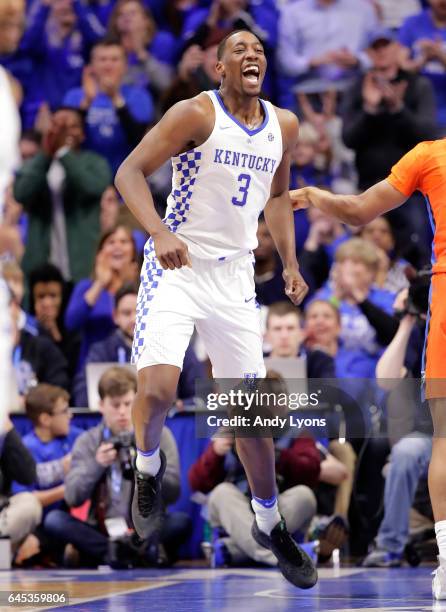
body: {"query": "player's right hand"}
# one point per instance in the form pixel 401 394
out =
pixel 171 251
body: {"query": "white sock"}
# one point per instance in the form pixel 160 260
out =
pixel 267 513
pixel 440 532
pixel 148 462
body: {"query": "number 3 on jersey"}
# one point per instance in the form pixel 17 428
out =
pixel 244 180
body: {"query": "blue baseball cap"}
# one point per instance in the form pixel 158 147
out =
pixel 384 34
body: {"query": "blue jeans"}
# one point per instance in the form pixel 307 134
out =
pixel 93 544
pixel 409 460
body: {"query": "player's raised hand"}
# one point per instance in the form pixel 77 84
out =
pixel 171 251
pixel 295 286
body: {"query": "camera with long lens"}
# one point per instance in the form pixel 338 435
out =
pixel 124 443
pixel 417 303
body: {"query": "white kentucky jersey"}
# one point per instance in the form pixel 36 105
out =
pixel 220 188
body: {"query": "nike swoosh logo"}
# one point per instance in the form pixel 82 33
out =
pixel 225 127
pixel 248 300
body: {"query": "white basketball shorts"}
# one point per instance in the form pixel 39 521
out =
pixel 218 297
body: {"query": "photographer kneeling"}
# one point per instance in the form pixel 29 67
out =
pixel 101 471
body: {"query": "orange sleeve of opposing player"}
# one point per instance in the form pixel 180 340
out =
pixel 406 174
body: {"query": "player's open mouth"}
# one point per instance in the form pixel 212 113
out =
pixel 251 73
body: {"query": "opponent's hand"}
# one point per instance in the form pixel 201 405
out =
pixel 171 251
pixel 300 198
pixel 295 286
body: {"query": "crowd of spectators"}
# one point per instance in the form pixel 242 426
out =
pixel 81 81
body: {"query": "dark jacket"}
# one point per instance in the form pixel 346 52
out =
pixel 87 176
pixel 16 463
pixel 380 140
pixel 45 359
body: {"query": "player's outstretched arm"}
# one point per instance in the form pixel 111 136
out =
pixel 279 213
pixel 183 127
pixel 351 209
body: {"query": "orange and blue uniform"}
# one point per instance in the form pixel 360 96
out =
pixel 424 169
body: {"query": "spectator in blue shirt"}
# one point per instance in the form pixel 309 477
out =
pixel 101 9
pixel 366 322
pixel 424 36
pixel 151 53
pixel 322 43
pixel 117 346
pixel 117 115
pixel 90 309
pixel 58 38
pixel 50 443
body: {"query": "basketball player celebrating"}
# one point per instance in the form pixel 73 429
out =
pixel 424 169
pixel 230 154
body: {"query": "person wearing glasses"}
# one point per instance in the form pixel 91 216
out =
pixel 50 443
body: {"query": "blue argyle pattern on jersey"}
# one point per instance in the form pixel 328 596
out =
pixel 185 167
pixel 151 274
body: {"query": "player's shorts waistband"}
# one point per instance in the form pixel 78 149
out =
pixel 212 263
pixel 204 262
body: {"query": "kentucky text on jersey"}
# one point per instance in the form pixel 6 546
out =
pixel 244 160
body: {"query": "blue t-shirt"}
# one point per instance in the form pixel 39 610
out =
pixel 104 132
pixel 94 322
pixel 415 28
pixel 57 62
pixel 47 456
pixel 360 350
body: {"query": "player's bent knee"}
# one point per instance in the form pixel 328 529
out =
pixel 158 398
pixel 157 389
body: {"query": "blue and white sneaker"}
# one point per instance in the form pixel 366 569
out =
pixel 439 582
pixel 379 557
